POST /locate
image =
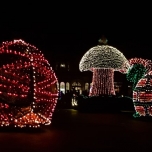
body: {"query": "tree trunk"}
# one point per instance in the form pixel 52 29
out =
pixel 102 82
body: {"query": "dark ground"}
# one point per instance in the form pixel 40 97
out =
pixel 74 131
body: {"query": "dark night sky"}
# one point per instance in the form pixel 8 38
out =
pixel 59 34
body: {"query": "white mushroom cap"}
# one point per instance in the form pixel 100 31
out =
pixel 104 56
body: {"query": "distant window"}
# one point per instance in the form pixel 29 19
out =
pixel 67 86
pixel 79 84
pixel 74 84
pixel 80 91
pixel 62 87
pixel 86 86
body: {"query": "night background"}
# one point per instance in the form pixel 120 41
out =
pixel 64 32
pixel 71 45
pixel 68 32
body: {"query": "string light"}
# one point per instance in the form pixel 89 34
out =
pixel 142 96
pixel 103 60
pixel 145 62
pixel 135 73
pixel 28 86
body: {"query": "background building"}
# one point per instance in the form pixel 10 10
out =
pixel 71 80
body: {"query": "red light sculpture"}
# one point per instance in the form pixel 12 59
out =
pixel 142 96
pixel 28 86
pixel 145 62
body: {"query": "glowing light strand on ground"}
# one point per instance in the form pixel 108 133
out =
pixel 97 60
pixel 28 92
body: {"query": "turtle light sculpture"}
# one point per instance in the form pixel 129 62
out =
pixel 142 96
pixel 103 60
pixel 28 86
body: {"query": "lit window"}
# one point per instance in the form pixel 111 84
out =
pixel 62 65
pixel 79 84
pixel 74 84
pixel 62 87
pixel 86 86
pixel 67 86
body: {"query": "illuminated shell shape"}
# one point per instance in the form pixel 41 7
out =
pixel 142 96
pixel 28 85
pixel 104 56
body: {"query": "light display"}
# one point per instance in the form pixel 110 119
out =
pixel 103 80
pixel 145 62
pixel 142 96
pixel 135 73
pixel 103 60
pixel 28 86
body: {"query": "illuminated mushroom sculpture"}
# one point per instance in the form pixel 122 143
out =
pixel 103 60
